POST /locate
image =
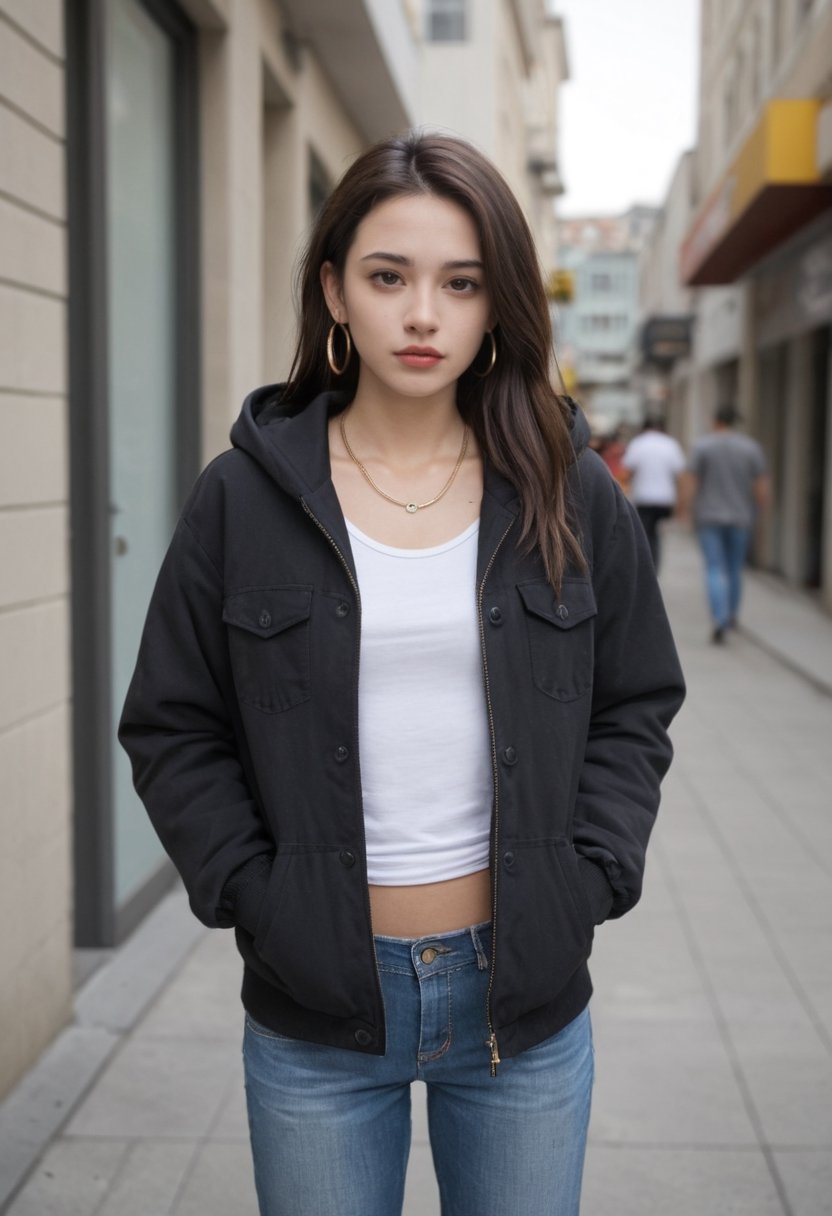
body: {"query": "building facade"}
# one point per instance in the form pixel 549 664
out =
pixel 664 346
pixel 759 252
pixel 596 319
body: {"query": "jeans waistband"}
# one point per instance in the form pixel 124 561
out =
pixel 436 951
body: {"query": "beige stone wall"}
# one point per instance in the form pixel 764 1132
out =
pixel 262 115
pixel 35 781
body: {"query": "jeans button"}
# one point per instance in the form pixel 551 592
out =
pixel 347 858
pixel 363 1037
pixel 428 954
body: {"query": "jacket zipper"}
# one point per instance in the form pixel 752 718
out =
pixel 491 1041
pixel 334 545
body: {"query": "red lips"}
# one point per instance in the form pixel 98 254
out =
pixel 425 351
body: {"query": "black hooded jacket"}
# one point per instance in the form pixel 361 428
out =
pixel 242 726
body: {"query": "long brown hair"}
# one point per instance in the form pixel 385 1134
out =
pixel 520 421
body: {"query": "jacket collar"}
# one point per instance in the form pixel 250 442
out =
pixel 292 448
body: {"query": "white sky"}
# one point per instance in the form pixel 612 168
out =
pixel 629 109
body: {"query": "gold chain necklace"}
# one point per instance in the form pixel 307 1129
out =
pixel 410 507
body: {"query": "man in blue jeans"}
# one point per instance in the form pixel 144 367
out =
pixel 729 485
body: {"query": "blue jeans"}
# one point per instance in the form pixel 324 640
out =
pixel 724 548
pixel 330 1129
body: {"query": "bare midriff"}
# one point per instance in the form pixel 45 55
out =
pixel 434 907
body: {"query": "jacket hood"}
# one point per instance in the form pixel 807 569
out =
pixel 578 425
pixel 286 441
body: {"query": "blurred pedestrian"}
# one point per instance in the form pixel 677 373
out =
pixel 427 913
pixel 653 464
pixel 729 487
pixel 612 453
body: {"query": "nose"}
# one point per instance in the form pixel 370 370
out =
pixel 421 316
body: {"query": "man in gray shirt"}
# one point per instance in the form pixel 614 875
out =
pixel 729 485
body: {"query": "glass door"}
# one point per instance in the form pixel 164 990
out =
pixel 141 287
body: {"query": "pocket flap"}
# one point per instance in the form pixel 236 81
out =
pixel 575 603
pixel 267 610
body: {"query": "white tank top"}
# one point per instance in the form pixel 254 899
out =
pixel 423 726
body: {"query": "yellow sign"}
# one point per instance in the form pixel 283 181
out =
pixel 781 152
pixel 561 286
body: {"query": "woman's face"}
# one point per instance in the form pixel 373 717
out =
pixel 414 295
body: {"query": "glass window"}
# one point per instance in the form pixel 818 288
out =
pixel 446 21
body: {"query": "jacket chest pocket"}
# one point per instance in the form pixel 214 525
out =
pixel 268 640
pixel 561 636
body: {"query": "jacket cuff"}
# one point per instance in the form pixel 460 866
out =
pixel 597 887
pixel 245 891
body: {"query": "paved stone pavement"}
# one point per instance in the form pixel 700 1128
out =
pixel 713 1005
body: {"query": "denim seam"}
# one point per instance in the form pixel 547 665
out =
pixel 265 1033
pixel 436 1055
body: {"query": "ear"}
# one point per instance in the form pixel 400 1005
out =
pixel 333 293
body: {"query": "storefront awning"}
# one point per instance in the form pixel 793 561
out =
pixel 773 188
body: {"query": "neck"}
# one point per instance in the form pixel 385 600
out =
pixel 385 425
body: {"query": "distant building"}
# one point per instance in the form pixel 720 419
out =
pixel 664 342
pixel 596 329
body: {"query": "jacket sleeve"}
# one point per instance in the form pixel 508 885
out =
pixel 177 729
pixel 638 688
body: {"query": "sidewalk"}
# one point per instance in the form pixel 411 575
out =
pixel 713 1005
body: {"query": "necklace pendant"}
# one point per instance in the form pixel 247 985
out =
pixel 411 507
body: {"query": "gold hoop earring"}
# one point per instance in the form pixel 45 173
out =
pixel 330 349
pixel 493 360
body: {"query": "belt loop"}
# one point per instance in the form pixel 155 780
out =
pixel 482 961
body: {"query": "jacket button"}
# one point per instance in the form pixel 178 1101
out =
pixel 509 755
pixel 495 616
pixel 563 611
pixel 342 608
pixel 363 1037
pixel 264 619
pixel 342 753
pixel 508 860
pixel 347 858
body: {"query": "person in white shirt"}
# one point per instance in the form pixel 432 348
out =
pixel 654 463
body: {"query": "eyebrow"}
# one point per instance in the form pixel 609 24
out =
pixel 399 259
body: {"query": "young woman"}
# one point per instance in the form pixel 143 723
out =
pixel 400 711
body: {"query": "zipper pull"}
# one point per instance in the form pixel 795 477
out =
pixel 495 1054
